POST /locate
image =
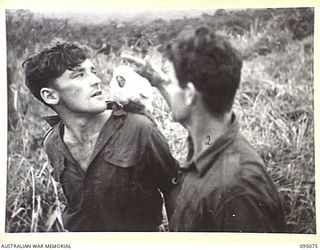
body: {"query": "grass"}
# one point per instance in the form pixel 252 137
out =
pixel 274 105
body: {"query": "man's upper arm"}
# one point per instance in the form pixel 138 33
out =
pixel 251 204
pixel 164 165
pixel 243 214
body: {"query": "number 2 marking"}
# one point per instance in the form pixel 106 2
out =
pixel 207 142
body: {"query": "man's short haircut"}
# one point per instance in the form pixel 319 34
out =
pixel 41 69
pixel 210 62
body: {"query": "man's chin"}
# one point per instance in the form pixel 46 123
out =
pixel 98 110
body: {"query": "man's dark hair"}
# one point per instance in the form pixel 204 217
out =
pixel 41 69
pixel 210 62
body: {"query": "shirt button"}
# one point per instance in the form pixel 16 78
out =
pixel 175 180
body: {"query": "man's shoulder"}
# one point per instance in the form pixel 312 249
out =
pixel 142 129
pixel 242 153
pixel 244 172
pixel 241 163
pixel 140 121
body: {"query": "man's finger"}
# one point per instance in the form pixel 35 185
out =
pixel 148 69
pixel 133 59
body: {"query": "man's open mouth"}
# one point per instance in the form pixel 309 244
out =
pixel 97 93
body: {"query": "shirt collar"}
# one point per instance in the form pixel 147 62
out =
pixel 204 161
pixel 53 120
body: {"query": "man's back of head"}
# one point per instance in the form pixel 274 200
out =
pixel 211 63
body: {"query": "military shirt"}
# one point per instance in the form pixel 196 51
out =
pixel 122 188
pixel 226 189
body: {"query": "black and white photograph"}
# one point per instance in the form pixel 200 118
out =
pixel 160 120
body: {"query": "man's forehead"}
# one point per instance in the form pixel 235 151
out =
pixel 85 64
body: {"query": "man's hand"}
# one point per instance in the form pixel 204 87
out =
pixel 148 69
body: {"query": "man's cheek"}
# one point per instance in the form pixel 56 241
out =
pixel 107 92
pixel 72 92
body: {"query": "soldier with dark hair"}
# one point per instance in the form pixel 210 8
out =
pixel 223 186
pixel 112 164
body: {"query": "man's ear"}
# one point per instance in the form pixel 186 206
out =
pixel 190 94
pixel 50 96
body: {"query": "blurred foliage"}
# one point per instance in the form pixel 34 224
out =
pixel 274 103
pixel 23 24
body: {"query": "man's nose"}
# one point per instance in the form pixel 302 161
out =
pixel 95 81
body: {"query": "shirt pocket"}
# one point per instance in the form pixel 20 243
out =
pixel 123 157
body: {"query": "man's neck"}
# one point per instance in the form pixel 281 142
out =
pixel 83 128
pixel 205 129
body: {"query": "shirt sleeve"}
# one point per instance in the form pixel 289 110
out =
pixel 164 167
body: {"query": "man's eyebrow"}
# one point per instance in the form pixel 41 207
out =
pixel 78 69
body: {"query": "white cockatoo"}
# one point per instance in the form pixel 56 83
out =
pixel 127 86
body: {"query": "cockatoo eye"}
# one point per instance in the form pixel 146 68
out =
pixel 121 81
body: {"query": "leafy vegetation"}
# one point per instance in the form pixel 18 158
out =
pixel 274 103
